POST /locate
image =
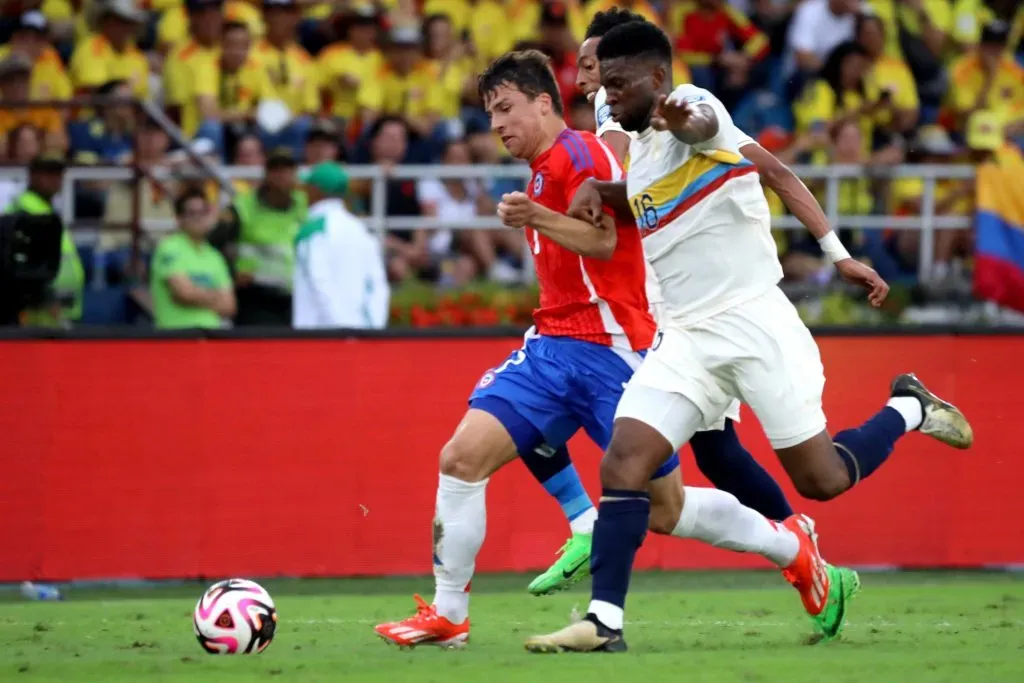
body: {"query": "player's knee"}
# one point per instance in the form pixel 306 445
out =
pixel 619 470
pixel 822 483
pixel 461 462
pixel 665 516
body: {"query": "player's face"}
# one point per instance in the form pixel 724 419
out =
pixel 516 119
pixel 588 77
pixel 631 87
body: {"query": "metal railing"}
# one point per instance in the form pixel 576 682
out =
pixel 833 176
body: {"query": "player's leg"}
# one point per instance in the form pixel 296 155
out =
pixel 556 473
pixel 782 381
pixel 722 458
pixel 478 448
pixel 513 409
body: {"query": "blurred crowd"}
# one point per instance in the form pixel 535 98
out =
pixel 284 83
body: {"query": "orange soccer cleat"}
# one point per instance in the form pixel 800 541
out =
pixel 825 590
pixel 426 627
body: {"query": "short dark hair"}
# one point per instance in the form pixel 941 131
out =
pixel 635 39
pixel 607 20
pixel 379 124
pixel 185 197
pixel 230 26
pixel 528 70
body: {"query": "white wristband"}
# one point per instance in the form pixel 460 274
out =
pixel 833 248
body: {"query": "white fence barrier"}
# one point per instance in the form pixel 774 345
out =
pixel 833 176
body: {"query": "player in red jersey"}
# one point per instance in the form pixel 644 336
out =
pixel 592 329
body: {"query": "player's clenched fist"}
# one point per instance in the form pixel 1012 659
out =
pixel 515 209
pixel 586 204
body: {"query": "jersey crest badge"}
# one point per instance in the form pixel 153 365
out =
pixel 538 184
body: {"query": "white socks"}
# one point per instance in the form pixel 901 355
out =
pixel 910 408
pixel 460 521
pixel 584 524
pixel 716 517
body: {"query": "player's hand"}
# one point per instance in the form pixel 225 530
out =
pixel 671 114
pixel 855 272
pixel 515 209
pixel 586 204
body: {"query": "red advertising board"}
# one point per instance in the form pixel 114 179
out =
pixel 186 458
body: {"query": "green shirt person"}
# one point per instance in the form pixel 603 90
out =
pixel 189 279
pixel 45 177
pixel 262 224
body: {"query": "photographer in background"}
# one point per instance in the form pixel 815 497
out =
pixel 61 303
pixel 189 279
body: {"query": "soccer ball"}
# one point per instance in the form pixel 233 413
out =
pixel 235 616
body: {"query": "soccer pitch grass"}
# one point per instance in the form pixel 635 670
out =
pixel 716 627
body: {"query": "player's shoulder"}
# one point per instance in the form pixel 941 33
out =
pixel 688 92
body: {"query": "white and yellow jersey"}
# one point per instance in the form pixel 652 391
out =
pixel 703 216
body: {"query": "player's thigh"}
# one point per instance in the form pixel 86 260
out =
pixel 528 395
pixel 776 369
pixel 650 426
pixel 479 447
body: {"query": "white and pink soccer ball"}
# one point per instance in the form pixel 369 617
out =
pixel 235 616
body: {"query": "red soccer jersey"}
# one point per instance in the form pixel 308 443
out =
pixel 600 301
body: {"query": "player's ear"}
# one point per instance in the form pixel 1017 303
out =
pixel 659 74
pixel 544 101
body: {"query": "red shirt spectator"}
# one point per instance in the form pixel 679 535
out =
pixel 707 28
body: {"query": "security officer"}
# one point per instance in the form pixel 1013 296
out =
pixel 261 225
pixel 63 303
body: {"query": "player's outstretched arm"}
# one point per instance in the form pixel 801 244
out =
pixel 517 210
pixel 802 204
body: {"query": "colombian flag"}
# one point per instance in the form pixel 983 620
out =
pixel 999 231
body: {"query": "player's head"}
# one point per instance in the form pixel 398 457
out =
pixel 588 78
pixel 521 96
pixel 636 66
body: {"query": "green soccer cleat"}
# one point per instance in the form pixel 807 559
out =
pixel 844 584
pixel 572 566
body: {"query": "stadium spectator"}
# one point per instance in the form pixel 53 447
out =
pixel 109 133
pixel 557 41
pixel 842 93
pixel 406 86
pixel 911 25
pixel 406 250
pixel 970 16
pixel 293 73
pixel 818 27
pixel 987 78
pixel 489 30
pixel 456 258
pixel 15 86
pixel 174 25
pixel 340 280
pixel 452 64
pixel 933 145
pixel 719 44
pixel 345 66
pixel 110 53
pixel 262 224
pixel 888 74
pixel 64 301
pixel 228 92
pixel 155 198
pixel 248 152
pixel 322 143
pixel 49 78
pixel 23 144
pixel 186 62
pixel 189 279
pixel 772 17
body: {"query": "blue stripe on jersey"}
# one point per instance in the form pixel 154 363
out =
pixel 578 153
pixel 588 160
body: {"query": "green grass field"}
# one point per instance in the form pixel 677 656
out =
pixel 688 627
